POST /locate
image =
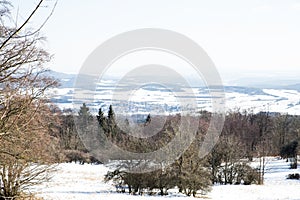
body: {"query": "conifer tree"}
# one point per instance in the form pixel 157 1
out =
pixel 101 119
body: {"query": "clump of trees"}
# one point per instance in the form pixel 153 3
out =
pixel 245 136
pixel 158 181
pixel 229 164
pixel 188 172
pixel 131 143
pixel 72 148
pixel 248 135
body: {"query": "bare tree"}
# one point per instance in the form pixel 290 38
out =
pixel 28 152
pixel 264 140
pixel 26 145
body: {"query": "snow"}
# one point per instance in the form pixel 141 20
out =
pixel 61 91
pixel 273 100
pixel 85 182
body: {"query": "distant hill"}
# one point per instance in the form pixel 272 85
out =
pixel 292 87
pixel 65 80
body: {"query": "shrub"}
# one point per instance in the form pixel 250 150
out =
pixel 77 156
pixel 293 176
pixel 293 165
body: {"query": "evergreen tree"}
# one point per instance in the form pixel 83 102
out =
pixel 148 120
pixel 111 122
pixel 111 115
pixel 101 119
pixel 84 111
pixel 84 117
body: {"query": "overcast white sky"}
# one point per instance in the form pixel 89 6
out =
pixel 239 35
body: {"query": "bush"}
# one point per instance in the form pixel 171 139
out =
pixel 290 151
pixel 293 176
pixel 76 156
pixel 25 196
pixel 139 183
pixel 161 180
pixel 293 165
pixel 249 175
pixel 237 173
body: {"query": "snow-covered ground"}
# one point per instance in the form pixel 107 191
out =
pixel 147 99
pixel 273 100
pixel 85 182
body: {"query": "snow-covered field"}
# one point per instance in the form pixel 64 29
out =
pixel 85 182
pixel 145 100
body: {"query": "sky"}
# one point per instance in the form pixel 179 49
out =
pixel 238 35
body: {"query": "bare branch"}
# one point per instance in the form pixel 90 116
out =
pixel 22 26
